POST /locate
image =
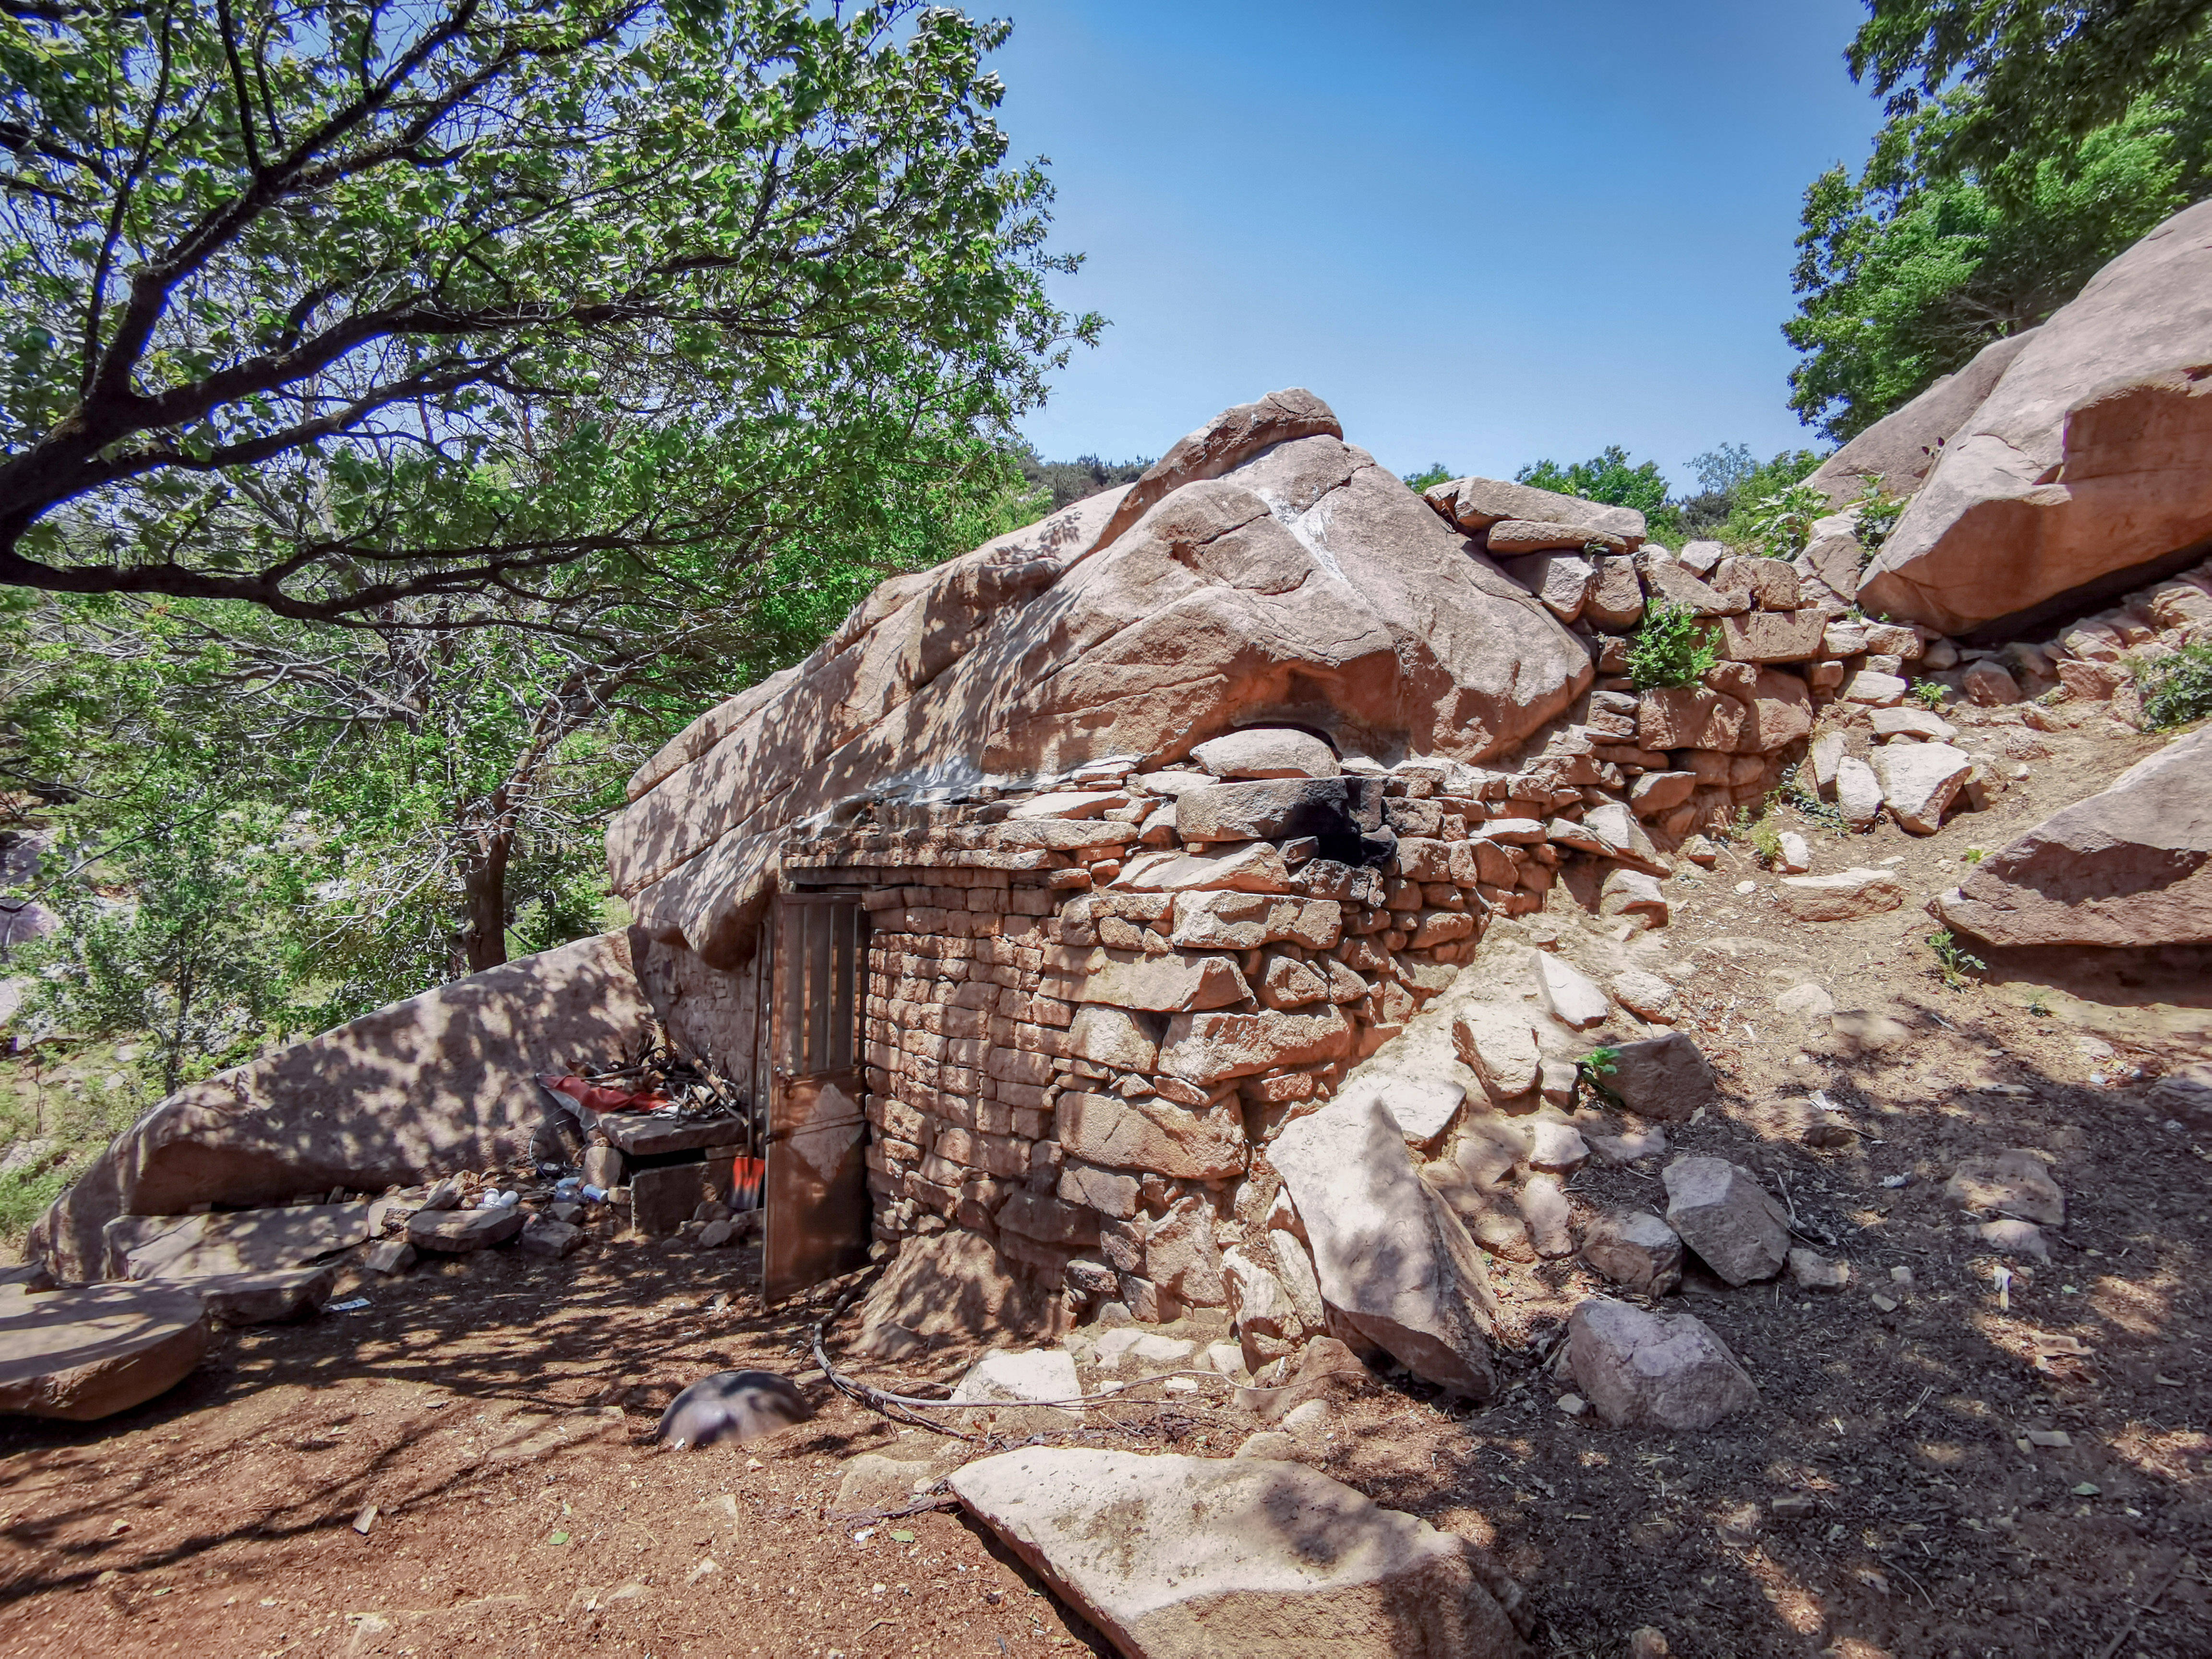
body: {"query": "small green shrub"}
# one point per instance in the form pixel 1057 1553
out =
pixel 2176 690
pixel 1760 834
pixel 1953 961
pixel 1672 648
pixel 1929 694
pixel 1810 806
pixel 1591 1071
pixel 1879 511
pixel 1783 522
pixel 1976 854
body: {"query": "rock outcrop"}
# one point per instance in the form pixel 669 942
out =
pixel 439 1082
pixel 2129 866
pixel 1901 449
pixel 2090 457
pixel 1263 572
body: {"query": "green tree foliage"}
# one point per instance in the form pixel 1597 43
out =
pixel 2029 143
pixel 1903 283
pixel 444 788
pixel 1429 477
pixel 1058 483
pixel 1734 487
pixel 331 305
pixel 1606 477
pixel 173 938
pixel 1609 477
pixel 1995 90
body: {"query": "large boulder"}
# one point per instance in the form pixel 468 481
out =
pixel 1899 449
pixel 2129 866
pixel 2090 459
pixel 1244 1558
pixel 442 1081
pixel 1391 1256
pixel 1265 573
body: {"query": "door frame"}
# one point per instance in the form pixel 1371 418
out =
pixel 818 1212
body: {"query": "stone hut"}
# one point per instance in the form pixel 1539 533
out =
pixel 1065 876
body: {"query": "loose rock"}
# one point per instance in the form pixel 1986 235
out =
pixel 1725 1215
pixel 1636 1249
pixel 1389 1255
pixel 456 1232
pixel 2015 1183
pixel 1568 992
pixel 1841 897
pixel 1664 1077
pixel 1811 1270
pixel 1658 1371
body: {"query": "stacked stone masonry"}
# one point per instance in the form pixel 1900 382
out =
pixel 1091 997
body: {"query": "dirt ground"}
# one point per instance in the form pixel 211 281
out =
pixel 498 1411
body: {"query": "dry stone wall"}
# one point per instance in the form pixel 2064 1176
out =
pixel 1092 996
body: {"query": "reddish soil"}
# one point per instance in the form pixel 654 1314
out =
pixel 498 1412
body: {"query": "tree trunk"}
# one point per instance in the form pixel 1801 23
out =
pixel 484 883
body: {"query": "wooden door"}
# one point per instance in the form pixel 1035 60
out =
pixel 816 1194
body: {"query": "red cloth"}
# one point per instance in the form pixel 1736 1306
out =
pixel 600 1099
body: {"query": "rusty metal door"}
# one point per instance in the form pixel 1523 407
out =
pixel 817 1181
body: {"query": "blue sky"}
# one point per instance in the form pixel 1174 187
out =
pixel 1485 233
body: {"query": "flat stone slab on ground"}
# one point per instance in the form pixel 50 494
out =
pixel 233 1241
pixel 1839 897
pixel 543 1236
pixel 81 1355
pixel 455 1232
pixel 264 1298
pixel 1180 1558
pixel 2015 1183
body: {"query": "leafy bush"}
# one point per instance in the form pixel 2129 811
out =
pixel 1073 481
pixel 1879 511
pixel 2176 690
pixel 1672 648
pixel 1783 522
pixel 1789 468
pixel 1429 477
pixel 1824 813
